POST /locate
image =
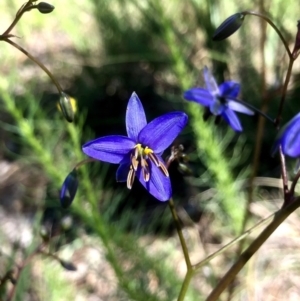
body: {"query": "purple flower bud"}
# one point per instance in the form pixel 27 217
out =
pixel 67 265
pixel 289 138
pixel 45 8
pixel 228 27
pixel 69 189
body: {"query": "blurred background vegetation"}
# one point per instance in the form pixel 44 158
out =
pixel 123 242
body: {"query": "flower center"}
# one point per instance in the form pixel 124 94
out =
pixel 217 106
pixel 222 100
pixel 140 157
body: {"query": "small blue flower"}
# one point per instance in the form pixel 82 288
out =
pixel 221 100
pixel 139 154
pixel 289 138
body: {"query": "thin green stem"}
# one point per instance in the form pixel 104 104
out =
pixel 180 234
pixel 37 250
pixel 185 285
pixel 83 162
pixel 248 12
pixel 41 65
pixel 27 6
pixel 279 217
pixel 230 244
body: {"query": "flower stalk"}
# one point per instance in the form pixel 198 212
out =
pixel 279 217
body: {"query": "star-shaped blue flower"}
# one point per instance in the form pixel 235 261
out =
pixel 139 154
pixel 221 100
pixel 289 138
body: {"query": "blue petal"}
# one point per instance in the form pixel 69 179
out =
pixel 229 89
pixel 199 95
pixel 282 133
pixel 135 117
pixel 110 149
pixel 216 108
pixel 290 137
pixel 161 132
pixel 232 119
pixel 239 107
pixel 210 82
pixel 123 170
pixel 159 185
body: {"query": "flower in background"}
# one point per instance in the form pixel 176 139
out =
pixel 289 138
pixel 139 154
pixel 221 100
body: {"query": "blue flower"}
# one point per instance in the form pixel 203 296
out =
pixel 221 100
pixel 139 154
pixel 289 138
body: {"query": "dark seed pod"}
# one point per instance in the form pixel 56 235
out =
pixel 67 265
pixel 45 8
pixel 69 189
pixel 228 27
pixel 67 109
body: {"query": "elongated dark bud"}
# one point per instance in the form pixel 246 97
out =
pixel 228 27
pixel 69 189
pixel 45 8
pixel 66 106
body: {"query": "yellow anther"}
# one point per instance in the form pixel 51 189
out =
pixel 147 150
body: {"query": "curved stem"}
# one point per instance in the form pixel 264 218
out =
pixel 22 10
pixel 83 162
pixel 42 66
pixel 37 250
pixel 280 216
pixel 254 109
pixel 180 234
pixel 284 89
pixel 248 12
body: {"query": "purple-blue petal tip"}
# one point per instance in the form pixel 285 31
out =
pixel 289 138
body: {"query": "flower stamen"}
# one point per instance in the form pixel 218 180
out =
pixel 140 155
pixel 163 168
pixel 130 177
pixel 134 162
pixel 145 170
pixel 158 163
